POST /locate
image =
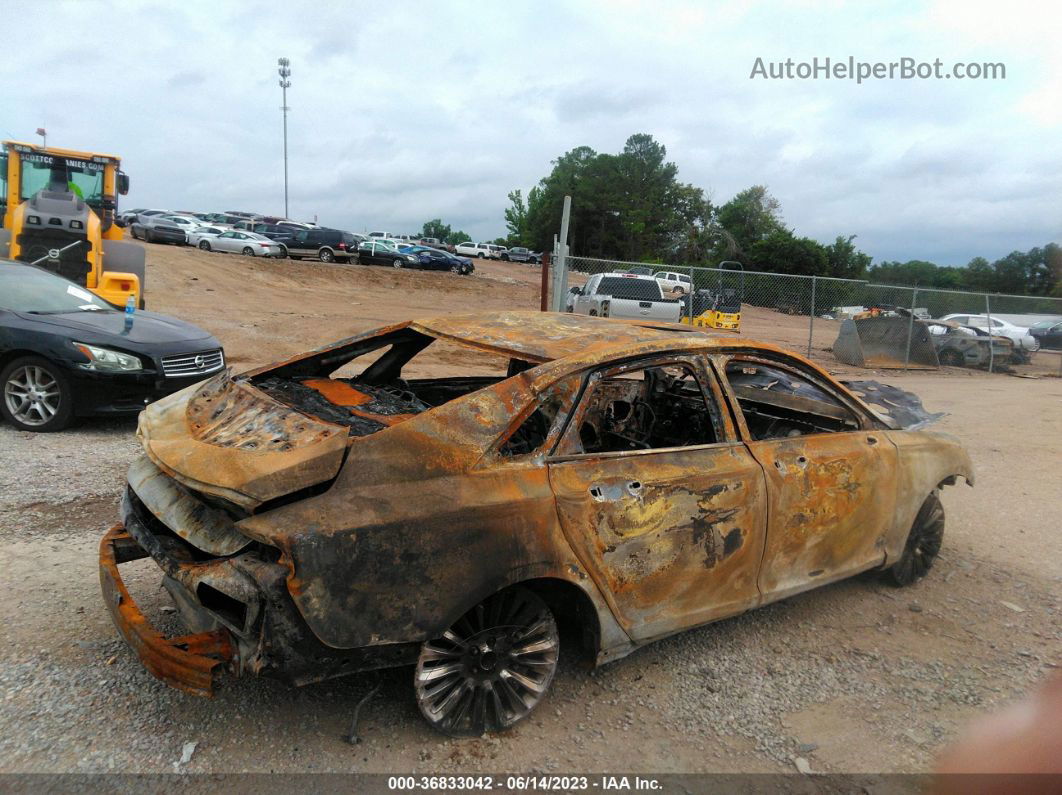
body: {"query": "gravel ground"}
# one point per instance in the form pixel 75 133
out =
pixel 854 677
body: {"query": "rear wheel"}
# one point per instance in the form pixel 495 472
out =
pixel 326 255
pixel 36 395
pixel 951 358
pixel 923 544
pixel 490 669
pixel 205 245
pixel 247 251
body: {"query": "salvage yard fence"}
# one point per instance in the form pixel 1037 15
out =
pixel 820 299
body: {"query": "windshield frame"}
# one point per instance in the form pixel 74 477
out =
pixel 21 281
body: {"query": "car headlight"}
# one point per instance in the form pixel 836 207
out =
pixel 411 258
pixel 107 361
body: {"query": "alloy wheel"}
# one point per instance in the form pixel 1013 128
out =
pixel 32 395
pixel 491 668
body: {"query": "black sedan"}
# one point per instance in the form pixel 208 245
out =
pixel 66 353
pixel 433 259
pixel 376 252
pixel 1048 333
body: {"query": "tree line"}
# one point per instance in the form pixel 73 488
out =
pixel 632 206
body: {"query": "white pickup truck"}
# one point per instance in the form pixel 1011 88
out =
pixel 624 295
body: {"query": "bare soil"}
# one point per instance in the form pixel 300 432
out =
pixel 854 677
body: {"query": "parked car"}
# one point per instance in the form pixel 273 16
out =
pixel 671 282
pixel 249 244
pixel 66 353
pixel 225 218
pixel 626 295
pixel 1019 335
pixel 636 481
pixel 194 237
pixel 155 227
pixel 327 245
pixel 967 346
pixel 379 252
pixel 521 254
pixel 470 249
pixel 276 232
pixel 126 217
pixel 496 252
pixel 184 222
pixel 434 259
pixel 1048 333
pixel 380 234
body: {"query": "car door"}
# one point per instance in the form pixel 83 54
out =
pixel 225 242
pixel 831 474
pixel 659 499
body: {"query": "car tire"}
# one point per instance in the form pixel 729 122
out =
pixel 398 263
pixel 679 291
pixel 283 252
pixel 491 668
pixel 204 245
pixel 951 358
pixel 247 251
pixel 505 257
pixel 132 231
pixel 34 375
pixel 923 544
pixel 326 255
pixel 147 236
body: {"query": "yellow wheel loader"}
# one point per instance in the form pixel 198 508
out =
pixel 59 208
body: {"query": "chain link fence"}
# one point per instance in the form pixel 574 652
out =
pixel 858 322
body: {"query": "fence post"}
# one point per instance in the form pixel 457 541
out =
pixel 693 289
pixel 910 329
pixel 991 346
pixel 543 304
pixel 811 316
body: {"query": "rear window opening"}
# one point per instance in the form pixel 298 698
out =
pixel 373 384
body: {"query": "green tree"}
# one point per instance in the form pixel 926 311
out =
pixel 436 228
pixel 456 238
pixel 516 218
pixel 844 260
pixel 751 216
pixel 781 252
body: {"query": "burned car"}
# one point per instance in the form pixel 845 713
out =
pixel 636 479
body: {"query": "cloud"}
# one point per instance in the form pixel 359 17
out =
pixel 405 113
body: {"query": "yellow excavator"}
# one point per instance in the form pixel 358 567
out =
pixel 59 209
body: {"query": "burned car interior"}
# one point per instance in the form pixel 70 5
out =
pixel 779 403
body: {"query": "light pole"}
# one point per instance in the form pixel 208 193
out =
pixel 285 72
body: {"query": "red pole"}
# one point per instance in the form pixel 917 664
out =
pixel 544 303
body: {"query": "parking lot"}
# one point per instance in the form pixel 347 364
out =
pixel 902 669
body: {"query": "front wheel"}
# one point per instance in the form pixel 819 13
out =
pixel 248 251
pixel 951 358
pixel 36 395
pixel 923 544
pixel 490 669
pixel 397 263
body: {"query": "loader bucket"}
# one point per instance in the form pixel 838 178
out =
pixel 882 342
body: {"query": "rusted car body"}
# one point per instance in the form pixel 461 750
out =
pixel 638 478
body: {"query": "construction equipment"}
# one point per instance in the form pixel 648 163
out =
pixel 719 309
pixel 888 337
pixel 51 198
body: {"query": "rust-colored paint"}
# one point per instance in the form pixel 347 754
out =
pixel 407 527
pixel 187 662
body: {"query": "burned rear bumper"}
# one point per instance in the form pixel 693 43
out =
pixel 187 662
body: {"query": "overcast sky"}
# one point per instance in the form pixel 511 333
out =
pixel 403 112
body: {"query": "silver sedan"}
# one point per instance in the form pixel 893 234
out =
pixel 201 233
pixel 248 243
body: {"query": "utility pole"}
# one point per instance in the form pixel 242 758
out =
pixel 285 72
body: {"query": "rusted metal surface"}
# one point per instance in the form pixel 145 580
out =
pixel 206 528
pixel 187 662
pixel 886 341
pixel 748 474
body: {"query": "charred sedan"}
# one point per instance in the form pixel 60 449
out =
pixel 636 478
pixel 65 352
